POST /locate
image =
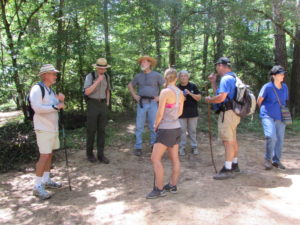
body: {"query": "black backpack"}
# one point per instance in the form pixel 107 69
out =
pixel 29 110
pixel 86 97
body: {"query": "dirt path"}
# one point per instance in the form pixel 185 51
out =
pixel 115 193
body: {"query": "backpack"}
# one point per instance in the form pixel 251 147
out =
pixel 244 102
pixel 29 110
pixel 86 97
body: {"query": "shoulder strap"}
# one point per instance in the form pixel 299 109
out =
pixel 93 75
pixel 177 92
pixel 277 96
pixel 42 89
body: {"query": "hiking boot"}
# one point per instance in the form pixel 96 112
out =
pixel 52 184
pixel 224 174
pixel 138 152
pixel 155 193
pixel 195 151
pixel 170 188
pixel 278 165
pixel 181 152
pixel 235 168
pixel 91 158
pixel 267 164
pixel 40 192
pixel 104 160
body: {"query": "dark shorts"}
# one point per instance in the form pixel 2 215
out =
pixel 168 137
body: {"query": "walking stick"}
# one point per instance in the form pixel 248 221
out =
pixel 209 132
pixel 64 146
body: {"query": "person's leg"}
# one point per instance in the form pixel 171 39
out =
pixel 140 123
pixel 173 155
pixel 192 131
pixel 183 124
pixel 280 132
pixel 101 124
pixel 270 136
pixel 157 153
pixel 151 120
pixel 91 128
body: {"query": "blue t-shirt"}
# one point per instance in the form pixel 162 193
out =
pixel 227 85
pixel 270 106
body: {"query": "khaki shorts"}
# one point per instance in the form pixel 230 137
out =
pixel 227 128
pixel 47 141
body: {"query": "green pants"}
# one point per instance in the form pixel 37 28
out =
pixel 96 121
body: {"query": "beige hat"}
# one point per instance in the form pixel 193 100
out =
pixel 150 59
pixel 47 68
pixel 101 63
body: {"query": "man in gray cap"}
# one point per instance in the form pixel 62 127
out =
pixel 228 120
pixel 45 104
pixel 97 92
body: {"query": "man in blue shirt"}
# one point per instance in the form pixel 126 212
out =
pixel 228 120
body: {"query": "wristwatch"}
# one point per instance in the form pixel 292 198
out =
pixel 54 107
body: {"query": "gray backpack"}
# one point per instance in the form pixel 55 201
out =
pixel 244 103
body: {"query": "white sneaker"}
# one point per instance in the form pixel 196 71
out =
pixel 52 184
pixel 40 192
pixel 195 151
pixel 181 152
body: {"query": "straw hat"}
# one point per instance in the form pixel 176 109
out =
pixel 47 68
pixel 148 58
pixel 101 63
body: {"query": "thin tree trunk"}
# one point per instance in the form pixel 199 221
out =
pixel 157 39
pixel 220 33
pixel 205 53
pixel 59 46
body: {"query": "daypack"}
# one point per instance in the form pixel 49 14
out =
pixel 86 97
pixel 29 110
pixel 244 102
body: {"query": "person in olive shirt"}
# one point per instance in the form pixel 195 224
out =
pixel 97 91
pixel 188 119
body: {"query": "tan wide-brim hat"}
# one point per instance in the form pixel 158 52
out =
pixel 47 68
pixel 101 63
pixel 148 58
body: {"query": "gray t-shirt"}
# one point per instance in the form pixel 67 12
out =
pixel 148 83
pixel 100 91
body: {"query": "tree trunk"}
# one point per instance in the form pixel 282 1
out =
pixel 220 32
pixel 280 40
pixel 205 53
pixel 295 75
pixel 157 39
pixel 59 46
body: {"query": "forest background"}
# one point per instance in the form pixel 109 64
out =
pixel 186 34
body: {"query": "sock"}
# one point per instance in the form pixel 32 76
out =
pixel 228 165
pixel 235 160
pixel 46 177
pixel 38 181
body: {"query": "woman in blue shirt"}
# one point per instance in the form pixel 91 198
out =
pixel 270 114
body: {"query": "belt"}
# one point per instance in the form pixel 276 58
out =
pixel 98 100
pixel 145 97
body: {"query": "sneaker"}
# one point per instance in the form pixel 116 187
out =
pixel 104 160
pixel 278 165
pixel 195 151
pixel 170 188
pixel 52 184
pixel 181 152
pixel 235 168
pixel 224 174
pixel 155 193
pixel 40 192
pixel 138 152
pixel 267 164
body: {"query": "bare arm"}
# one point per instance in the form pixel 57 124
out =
pixel 217 99
pixel 259 101
pixel 197 97
pixel 90 89
pixel 133 93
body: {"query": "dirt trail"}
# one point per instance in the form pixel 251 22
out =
pixel 115 193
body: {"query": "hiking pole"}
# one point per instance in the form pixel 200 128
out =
pixel 64 146
pixel 209 131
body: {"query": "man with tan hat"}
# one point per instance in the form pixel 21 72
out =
pixel 97 91
pixel 45 104
pixel 149 83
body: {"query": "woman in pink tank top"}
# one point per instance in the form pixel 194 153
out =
pixel 167 127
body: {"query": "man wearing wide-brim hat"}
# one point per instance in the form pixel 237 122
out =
pixel 148 83
pixel 97 93
pixel 45 104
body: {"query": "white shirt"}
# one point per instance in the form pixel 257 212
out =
pixel 45 117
